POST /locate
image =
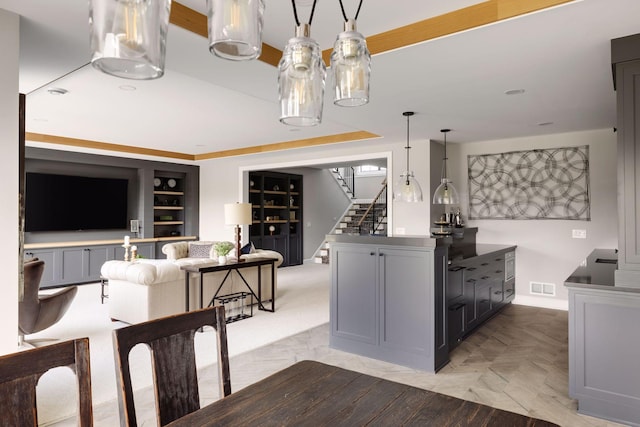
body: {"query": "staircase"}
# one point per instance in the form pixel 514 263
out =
pixel 363 218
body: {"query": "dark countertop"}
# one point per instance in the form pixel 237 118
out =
pixel 598 272
pixel 479 250
pixel 420 241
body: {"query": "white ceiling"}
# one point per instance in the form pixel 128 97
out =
pixel 203 104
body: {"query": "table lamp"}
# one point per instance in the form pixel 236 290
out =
pixel 237 214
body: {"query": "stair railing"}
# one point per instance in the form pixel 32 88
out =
pixel 381 198
pixel 348 177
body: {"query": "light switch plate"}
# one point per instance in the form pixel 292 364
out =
pixel 579 234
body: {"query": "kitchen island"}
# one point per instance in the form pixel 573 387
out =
pixel 604 341
pixel 390 295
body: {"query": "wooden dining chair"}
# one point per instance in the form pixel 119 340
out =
pixel 20 372
pixel 171 344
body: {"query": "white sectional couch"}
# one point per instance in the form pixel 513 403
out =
pixel 151 288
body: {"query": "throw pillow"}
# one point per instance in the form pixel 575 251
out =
pixel 199 250
pixel 248 249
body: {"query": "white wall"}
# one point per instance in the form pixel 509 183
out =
pixel 368 187
pixel 546 251
pixel 9 46
pixel 221 180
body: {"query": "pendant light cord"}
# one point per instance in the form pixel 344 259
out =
pixel 313 8
pixel 344 15
pixel 408 148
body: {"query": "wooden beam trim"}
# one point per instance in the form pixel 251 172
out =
pixel 467 18
pixel 301 143
pixel 74 142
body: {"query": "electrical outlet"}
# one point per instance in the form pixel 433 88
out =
pixel 579 234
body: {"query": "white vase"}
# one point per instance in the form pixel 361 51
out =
pixel 222 259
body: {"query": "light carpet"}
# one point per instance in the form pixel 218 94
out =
pixel 302 303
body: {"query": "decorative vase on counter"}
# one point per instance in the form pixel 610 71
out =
pixel 222 259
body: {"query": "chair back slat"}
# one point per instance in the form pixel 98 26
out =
pixel 171 343
pixel 20 373
pixel 176 377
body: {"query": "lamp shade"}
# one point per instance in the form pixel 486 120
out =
pixel 446 194
pixel 235 28
pixel 407 189
pixel 301 79
pixel 351 67
pixel 128 37
pixel 237 213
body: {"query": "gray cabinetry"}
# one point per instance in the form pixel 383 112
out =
pixel 477 288
pixel 604 349
pixel 50 275
pixel 382 301
pixel 354 293
pixel 80 264
pixel 625 58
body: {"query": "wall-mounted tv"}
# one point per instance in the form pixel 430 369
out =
pixel 74 203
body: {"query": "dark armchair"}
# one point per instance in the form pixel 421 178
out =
pixel 37 312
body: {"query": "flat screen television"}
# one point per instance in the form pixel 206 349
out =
pixel 74 203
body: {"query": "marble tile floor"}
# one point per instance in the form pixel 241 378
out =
pixel 518 361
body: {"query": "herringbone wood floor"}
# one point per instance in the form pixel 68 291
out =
pixel 518 361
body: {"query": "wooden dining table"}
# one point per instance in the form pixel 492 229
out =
pixel 311 393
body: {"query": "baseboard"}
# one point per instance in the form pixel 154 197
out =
pixel 541 302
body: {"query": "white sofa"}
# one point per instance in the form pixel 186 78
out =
pixel 151 288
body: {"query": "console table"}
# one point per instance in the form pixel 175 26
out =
pixel 229 267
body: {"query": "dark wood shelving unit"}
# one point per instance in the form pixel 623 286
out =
pixel 276 199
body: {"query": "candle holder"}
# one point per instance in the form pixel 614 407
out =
pixel 126 252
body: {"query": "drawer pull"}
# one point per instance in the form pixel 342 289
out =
pixel 484 264
pixel 372 253
pixel 457 306
pixel 471 269
pixel 456 268
pixel 484 277
pixel 471 280
pixel 497 292
pixel 498 271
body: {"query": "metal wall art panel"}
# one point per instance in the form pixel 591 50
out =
pixel 536 184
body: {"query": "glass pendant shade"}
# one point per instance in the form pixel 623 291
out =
pixel 407 189
pixel 301 79
pixel 235 28
pixel 446 193
pixel 128 37
pixel 351 66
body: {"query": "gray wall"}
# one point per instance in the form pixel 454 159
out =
pixel 546 251
pixel 368 187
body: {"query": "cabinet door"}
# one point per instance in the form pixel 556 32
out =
pixel 509 290
pixel 470 312
pixel 406 300
pixel 72 265
pixel 455 317
pixel 51 274
pixel 278 244
pixel 497 293
pixel 295 251
pixel 483 298
pixel 94 258
pixel 354 293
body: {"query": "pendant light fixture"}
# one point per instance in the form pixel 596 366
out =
pixel 235 28
pixel 407 189
pixel 301 77
pixel 351 65
pixel 128 37
pixel 446 193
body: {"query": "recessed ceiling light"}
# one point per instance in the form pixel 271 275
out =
pixel 128 88
pixel 545 123
pixel 514 92
pixel 294 129
pixel 57 91
pixel 40 119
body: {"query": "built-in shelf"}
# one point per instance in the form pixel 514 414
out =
pixel 276 200
pixel 168 205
